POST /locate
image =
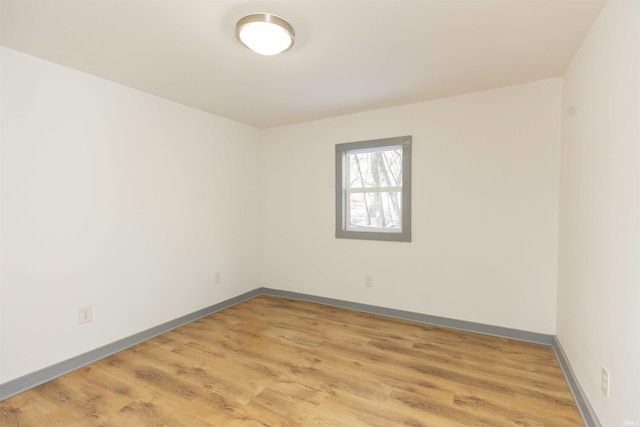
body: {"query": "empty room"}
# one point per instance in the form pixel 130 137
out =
pixel 310 212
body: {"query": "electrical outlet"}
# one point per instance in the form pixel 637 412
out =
pixel 368 281
pixel 605 382
pixel 85 314
pixel 217 277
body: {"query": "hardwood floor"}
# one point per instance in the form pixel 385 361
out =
pixel 276 362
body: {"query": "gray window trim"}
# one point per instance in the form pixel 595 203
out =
pixel 341 150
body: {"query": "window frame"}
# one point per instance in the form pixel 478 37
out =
pixel 342 151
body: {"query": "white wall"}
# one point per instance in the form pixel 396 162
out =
pixel 599 255
pixel 118 199
pixel 1 121
pixel 485 200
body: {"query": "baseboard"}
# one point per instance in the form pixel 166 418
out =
pixel 462 325
pixel 42 376
pixel 586 411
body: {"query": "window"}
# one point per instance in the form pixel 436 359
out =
pixel 373 189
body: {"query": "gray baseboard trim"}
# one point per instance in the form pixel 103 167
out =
pixel 497 331
pixel 586 411
pixel 42 376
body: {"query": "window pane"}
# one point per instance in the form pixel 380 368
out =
pixel 376 210
pixel 376 168
pixel 373 189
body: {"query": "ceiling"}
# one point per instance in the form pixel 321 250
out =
pixel 349 56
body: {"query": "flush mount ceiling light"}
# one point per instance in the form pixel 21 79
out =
pixel 265 33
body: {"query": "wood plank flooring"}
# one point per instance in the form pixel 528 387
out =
pixel 276 362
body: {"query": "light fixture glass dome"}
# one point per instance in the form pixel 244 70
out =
pixel 265 33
